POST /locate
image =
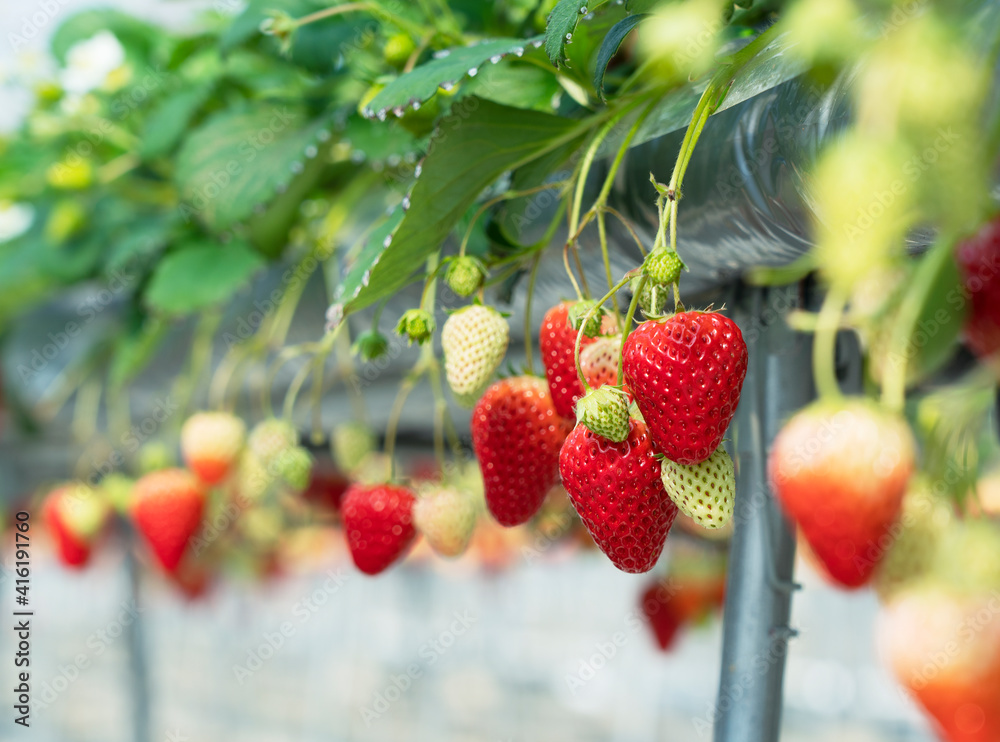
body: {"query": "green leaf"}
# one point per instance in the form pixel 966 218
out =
pixel 465 157
pixel 609 47
pixel 446 70
pixel 201 274
pixel 377 142
pixel 517 85
pixel 169 120
pixel 561 25
pixel 238 160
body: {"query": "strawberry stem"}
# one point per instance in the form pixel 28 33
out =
pixel 921 289
pixel 825 344
pixel 627 326
pixel 586 318
pixel 528 360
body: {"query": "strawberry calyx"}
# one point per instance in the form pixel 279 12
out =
pixel 605 412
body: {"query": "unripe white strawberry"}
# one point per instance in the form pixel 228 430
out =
pixel 211 443
pixel 706 491
pixel 446 518
pixel 474 340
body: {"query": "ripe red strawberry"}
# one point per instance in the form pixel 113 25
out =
pixel 661 612
pixel 978 259
pixel 616 489
pixel 686 373
pixel 167 507
pixel 211 443
pixel 76 515
pixel 840 471
pixel 557 341
pixel 326 487
pixel 378 522
pixel 944 647
pixel 516 435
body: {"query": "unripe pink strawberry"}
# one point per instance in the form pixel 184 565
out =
pixel 211 443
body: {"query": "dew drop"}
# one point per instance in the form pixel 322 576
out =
pixel 447 86
pixel 495 59
pixel 519 51
pixel 382 115
pixel 442 54
pixel 569 38
pixel 416 105
pixel 311 151
pixel 473 72
pixel 583 10
pixel 399 111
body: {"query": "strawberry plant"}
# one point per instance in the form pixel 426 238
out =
pixel 452 165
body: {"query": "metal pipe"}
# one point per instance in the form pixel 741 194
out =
pixel 759 584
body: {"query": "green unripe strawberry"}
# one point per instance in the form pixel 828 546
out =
pixel 294 467
pixel 465 275
pixel 397 49
pixel 663 266
pixel 370 345
pixel 416 325
pixel 270 438
pixel 578 312
pixel 916 539
pixel 155 456
pixel 604 411
pixel 654 297
pixel 351 443
pixel 706 491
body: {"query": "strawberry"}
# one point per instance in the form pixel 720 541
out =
pixel 916 538
pixel 616 489
pixel 474 340
pixel 557 341
pixel 211 443
pixel 653 298
pixel 663 267
pixel 416 325
pixel 662 614
pixel 378 523
pixel 167 506
pixel 270 438
pixel 605 412
pixel 943 645
pixel 293 467
pixel 599 361
pixel 76 515
pixel 978 259
pixel 350 445
pixel 840 471
pixel 446 518
pixel 704 492
pixel 465 275
pixel 686 373
pixel 326 487
pixel 516 435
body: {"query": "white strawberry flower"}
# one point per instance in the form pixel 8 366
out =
pixel 88 63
